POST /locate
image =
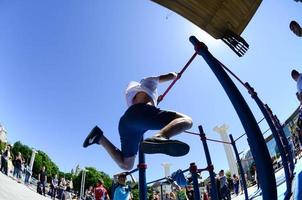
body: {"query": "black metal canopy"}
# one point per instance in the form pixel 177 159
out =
pixel 222 19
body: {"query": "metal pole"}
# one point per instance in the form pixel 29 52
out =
pixel 82 190
pixel 214 195
pixel 193 170
pixel 31 163
pixel 161 191
pixel 142 175
pixel 276 137
pixel 240 167
pixel 286 143
pixel 256 141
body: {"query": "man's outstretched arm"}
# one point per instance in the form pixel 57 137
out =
pixel 167 77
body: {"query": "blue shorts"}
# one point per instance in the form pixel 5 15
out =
pixel 138 119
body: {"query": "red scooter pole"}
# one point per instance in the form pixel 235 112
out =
pixel 161 97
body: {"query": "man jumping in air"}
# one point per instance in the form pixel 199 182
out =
pixel 143 115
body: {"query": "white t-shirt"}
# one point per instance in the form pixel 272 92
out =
pixel 147 85
pixel 299 84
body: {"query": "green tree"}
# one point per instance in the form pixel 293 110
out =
pixel 68 176
pixel 229 179
pixel 181 194
pixel 135 192
pixel 2 146
pixel 61 174
pixel 41 160
pixel 92 177
pixel 23 149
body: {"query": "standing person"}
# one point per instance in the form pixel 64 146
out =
pixel 295 28
pixel 42 177
pixel 256 178
pixel 4 160
pixel 100 191
pixel 298 78
pixel 143 115
pixel 89 194
pixel 122 191
pixel 218 188
pixel 236 184
pixel 18 167
pixel 225 193
pixel 27 174
pixel 54 185
pixel 67 192
pixel 61 188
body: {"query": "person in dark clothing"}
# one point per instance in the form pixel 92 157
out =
pixel 236 184
pixel 18 166
pixel 28 172
pixel 42 179
pixel 4 160
pixel 217 180
pixel 225 193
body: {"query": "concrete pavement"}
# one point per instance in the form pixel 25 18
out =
pixel 12 190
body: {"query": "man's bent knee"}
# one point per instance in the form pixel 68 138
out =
pixel 127 163
pixel 187 121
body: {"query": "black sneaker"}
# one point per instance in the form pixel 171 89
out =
pixel 93 137
pixel 162 145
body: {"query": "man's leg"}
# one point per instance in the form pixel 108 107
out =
pixel 96 136
pixel 176 126
pixel 6 168
pixel 125 163
pixel 170 124
pixel 43 185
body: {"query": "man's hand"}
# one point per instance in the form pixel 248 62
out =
pixel 175 75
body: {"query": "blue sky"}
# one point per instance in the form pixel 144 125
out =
pixel 64 67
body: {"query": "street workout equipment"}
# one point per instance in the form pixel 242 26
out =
pixel 277 132
pixel 204 140
pixel 255 138
pixel 193 170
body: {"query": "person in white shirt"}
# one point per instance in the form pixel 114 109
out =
pixel 54 186
pixel 143 115
pixel 298 78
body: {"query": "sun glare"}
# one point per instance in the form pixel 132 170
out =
pixel 204 37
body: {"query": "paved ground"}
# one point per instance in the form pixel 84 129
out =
pixel 11 190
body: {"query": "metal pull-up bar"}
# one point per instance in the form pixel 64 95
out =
pixel 179 74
